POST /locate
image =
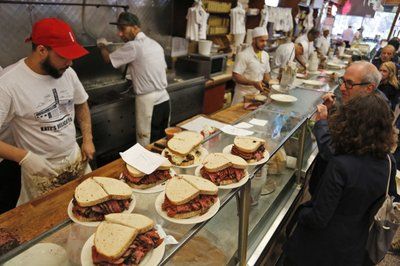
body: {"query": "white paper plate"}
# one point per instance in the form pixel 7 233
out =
pixel 313 82
pixel 335 66
pixel 283 98
pixel 204 153
pixel 152 258
pixel 330 72
pixel 278 88
pixel 94 224
pixel 155 189
pixel 230 186
pixel 193 220
pixel 301 75
pixel 228 149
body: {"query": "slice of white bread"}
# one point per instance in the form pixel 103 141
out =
pixel 89 193
pixel 237 162
pixel 178 191
pixel 205 186
pixel 166 165
pixel 140 222
pixel 112 240
pixel 116 189
pixel 184 142
pixel 215 162
pixel 186 215
pixel 248 144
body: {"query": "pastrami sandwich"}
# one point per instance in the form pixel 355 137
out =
pixel 139 180
pixel 98 196
pixel 124 239
pixel 251 149
pixel 223 169
pixel 188 196
pixel 183 148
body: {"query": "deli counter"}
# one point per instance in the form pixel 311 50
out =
pixel 248 222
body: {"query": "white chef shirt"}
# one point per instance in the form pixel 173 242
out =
pixel 147 65
pixel 5 131
pixel 323 44
pixel 238 20
pixel 284 54
pixel 348 35
pixel 308 50
pixel 249 65
pixel 40 109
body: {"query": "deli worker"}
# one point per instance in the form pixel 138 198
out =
pixel 148 72
pixel 287 53
pixel 308 39
pixel 10 182
pixel 251 69
pixel 39 97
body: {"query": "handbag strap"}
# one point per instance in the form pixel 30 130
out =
pixel 390 171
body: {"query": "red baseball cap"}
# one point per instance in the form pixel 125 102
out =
pixel 58 35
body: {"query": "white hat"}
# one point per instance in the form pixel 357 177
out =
pixel 259 31
pixel 325 28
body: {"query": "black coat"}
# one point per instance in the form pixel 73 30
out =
pixel 391 92
pixel 333 227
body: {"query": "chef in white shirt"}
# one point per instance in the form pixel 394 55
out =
pixel 308 38
pixel 323 42
pixel 251 69
pixel 40 96
pixel 347 36
pixel 147 65
pixel 287 53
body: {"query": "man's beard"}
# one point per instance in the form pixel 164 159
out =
pixel 51 70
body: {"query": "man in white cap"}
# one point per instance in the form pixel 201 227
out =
pixel 251 69
pixel 308 39
pixel 323 42
pixel 287 53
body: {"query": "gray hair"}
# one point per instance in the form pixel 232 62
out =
pixel 370 74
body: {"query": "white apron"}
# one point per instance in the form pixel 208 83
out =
pixel 241 91
pixel 33 186
pixel 144 105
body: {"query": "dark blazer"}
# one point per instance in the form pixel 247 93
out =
pixel 333 227
pixel 391 92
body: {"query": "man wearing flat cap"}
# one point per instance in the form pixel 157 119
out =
pixel 147 66
pixel 251 69
pixel 40 96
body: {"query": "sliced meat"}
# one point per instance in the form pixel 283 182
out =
pixel 229 173
pixel 202 203
pixel 257 155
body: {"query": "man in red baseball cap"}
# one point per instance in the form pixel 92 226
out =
pixel 40 96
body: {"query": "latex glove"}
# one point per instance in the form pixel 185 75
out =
pixel 102 42
pixel 37 165
pixel 259 85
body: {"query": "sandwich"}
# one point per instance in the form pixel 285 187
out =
pixel 137 179
pixel 252 102
pixel 183 148
pixel 124 239
pixel 188 196
pixel 98 196
pixel 223 169
pixel 250 149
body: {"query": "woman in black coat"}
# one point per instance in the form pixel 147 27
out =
pixel 389 84
pixel 333 227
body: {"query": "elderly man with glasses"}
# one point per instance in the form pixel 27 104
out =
pixel 360 77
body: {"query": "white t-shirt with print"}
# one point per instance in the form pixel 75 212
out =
pixel 41 109
pixel 147 66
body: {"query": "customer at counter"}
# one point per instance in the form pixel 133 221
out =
pixel 251 69
pixel 389 84
pixel 308 38
pixel 360 77
pixel 147 66
pixel 387 55
pixel 333 227
pixel 39 97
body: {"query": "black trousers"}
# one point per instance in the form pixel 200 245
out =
pixel 159 121
pixel 10 185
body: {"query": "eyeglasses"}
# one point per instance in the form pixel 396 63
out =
pixel 349 84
